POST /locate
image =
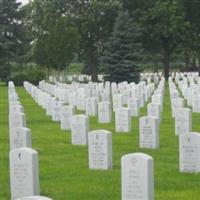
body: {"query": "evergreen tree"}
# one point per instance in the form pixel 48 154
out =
pixel 120 60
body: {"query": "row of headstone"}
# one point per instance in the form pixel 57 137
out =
pixel 78 95
pixel 19 135
pixel 189 142
pixel 70 78
pixel 51 98
pixel 149 125
pixel 182 114
pixel 136 168
pixel 149 77
pixel 99 142
pixel 24 169
pixel 189 85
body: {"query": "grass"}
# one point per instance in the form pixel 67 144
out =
pixel 64 172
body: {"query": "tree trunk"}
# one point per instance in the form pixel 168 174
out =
pixel 166 61
pixel 198 64
pixel 94 74
pixel 166 57
pixel 187 61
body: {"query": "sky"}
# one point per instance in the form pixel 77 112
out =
pixel 23 1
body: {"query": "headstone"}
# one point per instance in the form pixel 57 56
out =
pixel 122 120
pixel 176 104
pixel 183 121
pixel 24 175
pixel 100 149
pixel 66 113
pixel 154 110
pixel 134 107
pixel 91 106
pixel 117 101
pixel 18 119
pixel 79 129
pixel 104 112
pixel 56 110
pixel 137 177
pixel 189 152
pixel 157 98
pixel 21 137
pixel 81 101
pixel 149 132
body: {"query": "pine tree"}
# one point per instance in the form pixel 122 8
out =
pixel 120 60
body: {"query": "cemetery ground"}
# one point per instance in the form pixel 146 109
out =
pixel 64 172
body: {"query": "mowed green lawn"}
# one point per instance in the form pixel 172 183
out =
pixel 64 173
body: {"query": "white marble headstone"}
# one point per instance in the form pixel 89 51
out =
pixel 154 110
pixel 100 149
pixel 79 129
pixel 104 112
pixel 122 120
pixel 134 107
pixel 149 132
pixel 91 106
pixel 24 174
pixel 66 113
pixel 137 178
pixel 189 152
pixel 21 137
pixel 183 121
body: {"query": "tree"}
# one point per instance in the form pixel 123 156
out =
pixel 95 20
pixel 56 37
pixel 123 51
pixel 56 49
pixel 192 40
pixel 12 33
pixel 165 29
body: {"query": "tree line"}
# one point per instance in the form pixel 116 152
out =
pixel 114 37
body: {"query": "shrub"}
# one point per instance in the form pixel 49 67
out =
pixel 19 79
pixel 33 76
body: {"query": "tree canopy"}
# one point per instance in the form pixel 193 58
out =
pixel 55 33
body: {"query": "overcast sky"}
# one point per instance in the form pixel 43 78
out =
pixel 23 1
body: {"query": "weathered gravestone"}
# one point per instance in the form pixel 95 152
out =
pixel 149 132
pixel 24 175
pixel 137 179
pixel 104 112
pixel 79 129
pixel 183 121
pixel 100 149
pixel 189 152
pixel 122 120
pixel 21 137
pixel 66 113
pixel 34 198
